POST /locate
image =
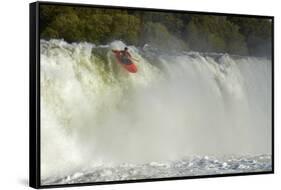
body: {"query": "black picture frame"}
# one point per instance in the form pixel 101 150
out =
pixel 34 95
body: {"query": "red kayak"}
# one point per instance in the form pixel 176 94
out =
pixel 131 67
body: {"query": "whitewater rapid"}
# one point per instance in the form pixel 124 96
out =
pixel 94 114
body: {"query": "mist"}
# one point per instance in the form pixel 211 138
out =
pixel 95 113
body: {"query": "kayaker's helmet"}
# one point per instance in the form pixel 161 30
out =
pixel 126 49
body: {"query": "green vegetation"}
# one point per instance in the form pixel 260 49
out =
pixel 213 33
pixel 168 31
pixel 257 34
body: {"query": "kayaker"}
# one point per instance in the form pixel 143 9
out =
pixel 125 56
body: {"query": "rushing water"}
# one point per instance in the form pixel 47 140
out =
pixel 181 114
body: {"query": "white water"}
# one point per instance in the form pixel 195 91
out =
pixel 93 112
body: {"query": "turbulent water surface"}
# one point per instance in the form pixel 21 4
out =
pixel 181 114
pixel 186 167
